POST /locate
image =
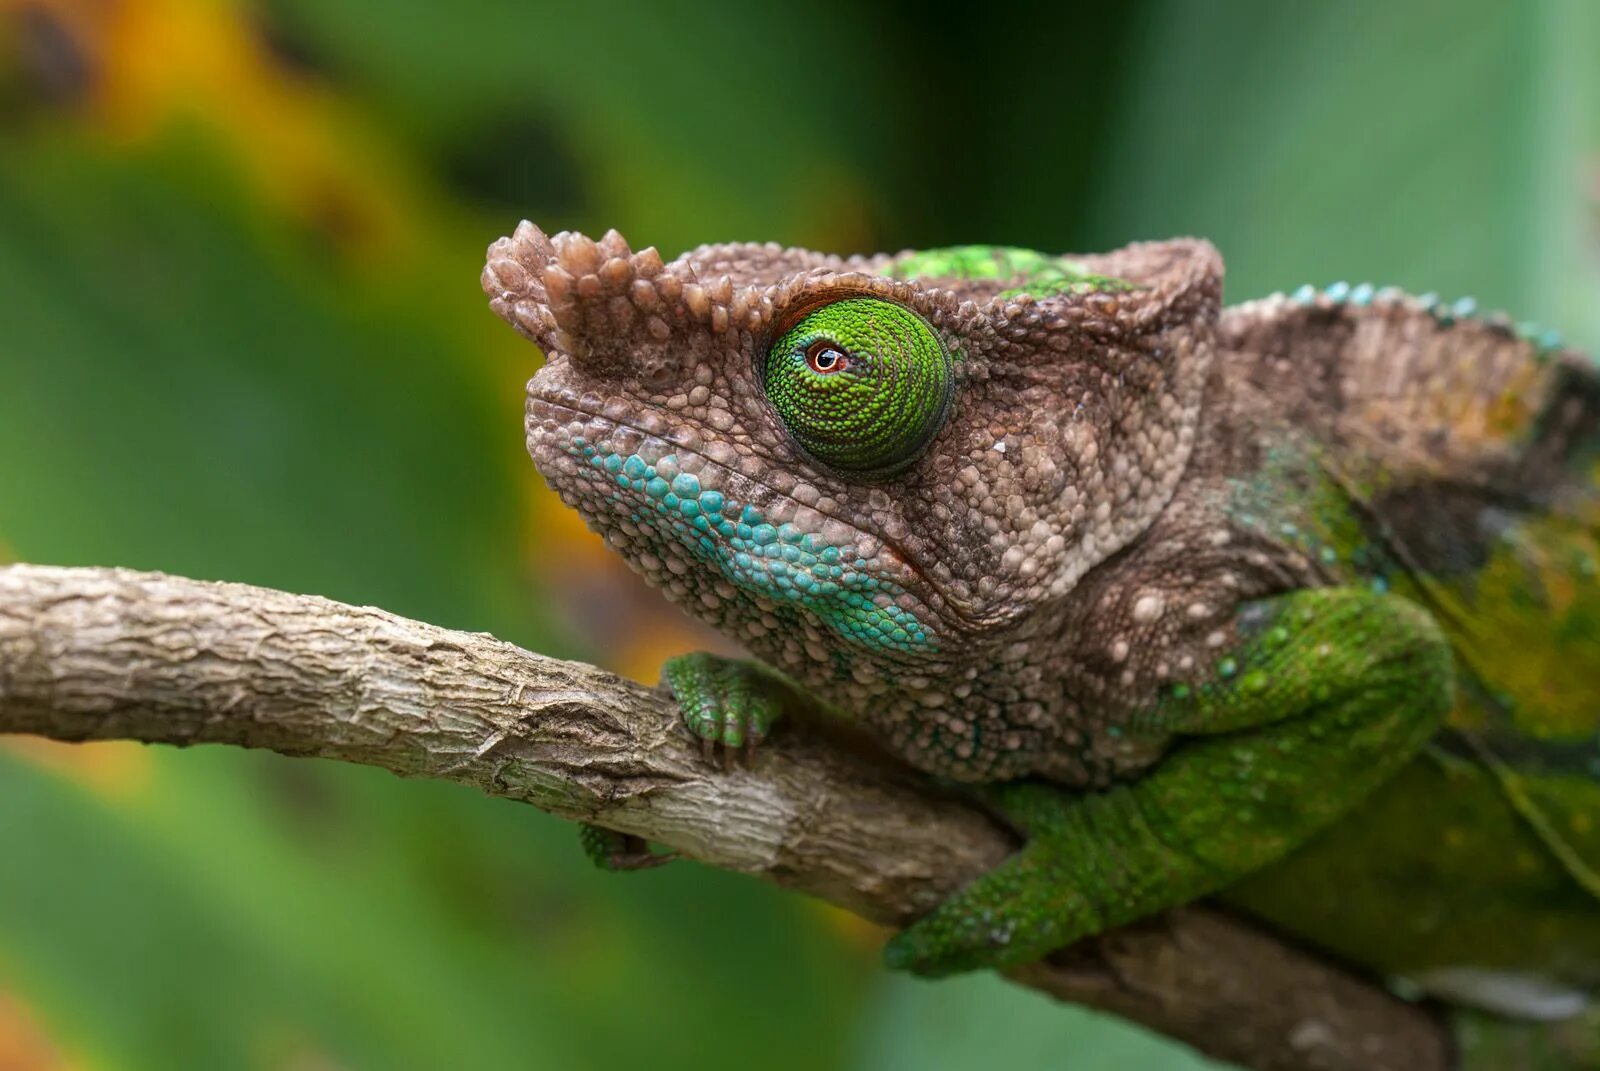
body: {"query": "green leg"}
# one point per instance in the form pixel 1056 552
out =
pixel 1328 694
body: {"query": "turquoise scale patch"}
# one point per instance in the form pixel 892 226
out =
pixel 779 562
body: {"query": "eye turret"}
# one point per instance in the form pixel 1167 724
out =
pixel 862 385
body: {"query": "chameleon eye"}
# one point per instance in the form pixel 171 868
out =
pixel 862 385
pixel 824 357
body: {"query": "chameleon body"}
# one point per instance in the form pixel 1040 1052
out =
pixel 1293 602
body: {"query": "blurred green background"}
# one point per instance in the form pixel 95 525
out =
pixel 241 338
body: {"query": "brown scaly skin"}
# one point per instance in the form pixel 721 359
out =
pixel 1214 572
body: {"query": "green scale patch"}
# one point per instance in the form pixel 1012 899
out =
pixel 1027 270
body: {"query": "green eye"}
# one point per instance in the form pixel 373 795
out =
pixel 861 384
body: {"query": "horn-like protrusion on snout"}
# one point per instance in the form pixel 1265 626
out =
pixel 597 301
pixel 609 308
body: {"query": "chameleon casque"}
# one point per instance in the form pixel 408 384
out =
pixel 1295 602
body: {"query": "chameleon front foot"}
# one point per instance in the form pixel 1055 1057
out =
pixel 725 702
pixel 610 850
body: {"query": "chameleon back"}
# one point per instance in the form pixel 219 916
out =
pixel 1462 471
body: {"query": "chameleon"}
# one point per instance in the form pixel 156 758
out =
pixel 1292 603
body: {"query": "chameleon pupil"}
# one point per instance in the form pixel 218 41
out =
pixel 823 356
pixel 861 385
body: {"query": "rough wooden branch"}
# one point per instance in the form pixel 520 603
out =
pixel 93 654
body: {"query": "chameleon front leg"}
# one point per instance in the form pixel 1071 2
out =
pixel 1328 694
pixel 724 702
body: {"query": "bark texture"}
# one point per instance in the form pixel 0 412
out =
pixel 96 654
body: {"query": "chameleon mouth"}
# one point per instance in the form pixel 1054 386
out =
pixel 715 538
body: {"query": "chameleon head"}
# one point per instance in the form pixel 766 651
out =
pixel 858 466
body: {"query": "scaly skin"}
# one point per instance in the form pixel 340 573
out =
pixel 1294 602
pixel 1371 672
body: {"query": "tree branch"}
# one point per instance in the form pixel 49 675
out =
pixel 92 654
